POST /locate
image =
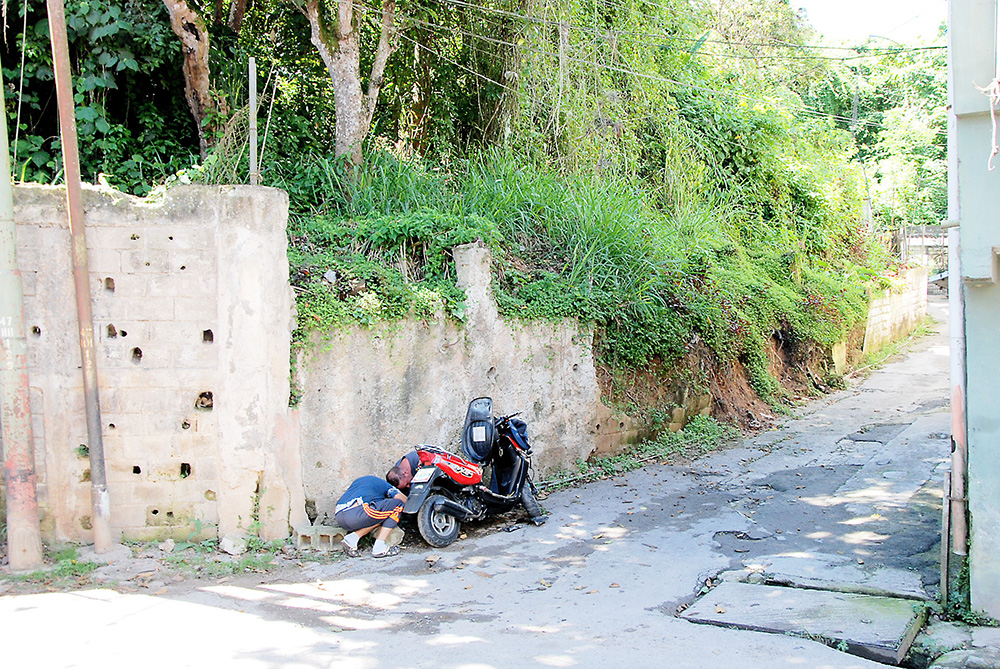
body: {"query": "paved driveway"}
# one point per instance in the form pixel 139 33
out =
pixel 849 490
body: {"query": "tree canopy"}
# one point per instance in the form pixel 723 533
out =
pixel 679 173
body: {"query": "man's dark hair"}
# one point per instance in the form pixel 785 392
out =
pixel 393 475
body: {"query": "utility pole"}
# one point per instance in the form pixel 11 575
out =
pixel 99 498
pixel 24 543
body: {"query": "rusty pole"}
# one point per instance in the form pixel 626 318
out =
pixel 24 542
pixel 99 498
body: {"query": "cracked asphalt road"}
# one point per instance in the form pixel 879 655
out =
pixel 853 483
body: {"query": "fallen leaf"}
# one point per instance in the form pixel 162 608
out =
pixel 592 592
pixel 547 584
pixel 614 585
pixel 468 587
pixel 483 574
pixel 720 609
pixel 598 536
pixel 161 591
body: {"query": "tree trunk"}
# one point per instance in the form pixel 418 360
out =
pixel 191 30
pixel 422 91
pixel 339 47
pixel 237 10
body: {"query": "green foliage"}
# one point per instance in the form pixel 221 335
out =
pixel 898 97
pixel 652 169
pixel 654 281
pixel 199 561
pixel 380 268
pixel 128 94
pixel 959 606
pixel 701 435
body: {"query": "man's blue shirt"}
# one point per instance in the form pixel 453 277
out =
pixel 366 489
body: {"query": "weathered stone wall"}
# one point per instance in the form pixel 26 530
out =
pixel 192 317
pixel 897 312
pixel 371 395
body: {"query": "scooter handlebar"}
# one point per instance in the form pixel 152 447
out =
pixel 503 419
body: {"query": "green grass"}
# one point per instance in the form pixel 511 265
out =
pixel 700 436
pixel 66 569
pixel 603 249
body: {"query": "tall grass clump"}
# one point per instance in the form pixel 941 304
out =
pixel 376 245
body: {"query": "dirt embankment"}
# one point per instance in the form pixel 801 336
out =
pixel 802 370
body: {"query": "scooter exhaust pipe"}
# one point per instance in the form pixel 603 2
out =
pixel 453 508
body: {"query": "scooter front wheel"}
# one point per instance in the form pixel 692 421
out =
pixel 438 528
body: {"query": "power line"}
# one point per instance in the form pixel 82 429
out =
pixel 690 40
pixel 621 70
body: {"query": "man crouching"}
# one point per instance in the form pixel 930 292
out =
pixel 369 503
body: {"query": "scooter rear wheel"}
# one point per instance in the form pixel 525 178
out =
pixel 438 528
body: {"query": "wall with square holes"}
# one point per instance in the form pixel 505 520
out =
pixel 192 319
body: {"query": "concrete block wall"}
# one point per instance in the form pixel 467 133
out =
pixel 897 312
pixel 192 320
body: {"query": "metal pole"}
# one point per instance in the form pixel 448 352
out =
pixel 945 547
pixel 99 499
pixel 254 170
pixel 24 541
pixel 956 335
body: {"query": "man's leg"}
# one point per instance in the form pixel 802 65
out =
pixel 387 511
pixel 360 523
pixel 362 519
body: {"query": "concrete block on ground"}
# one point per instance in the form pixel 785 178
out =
pixel 305 537
pixel 319 537
pixel 877 628
pixel 842 574
pixel 233 544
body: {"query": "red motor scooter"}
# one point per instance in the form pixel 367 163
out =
pixel 448 489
